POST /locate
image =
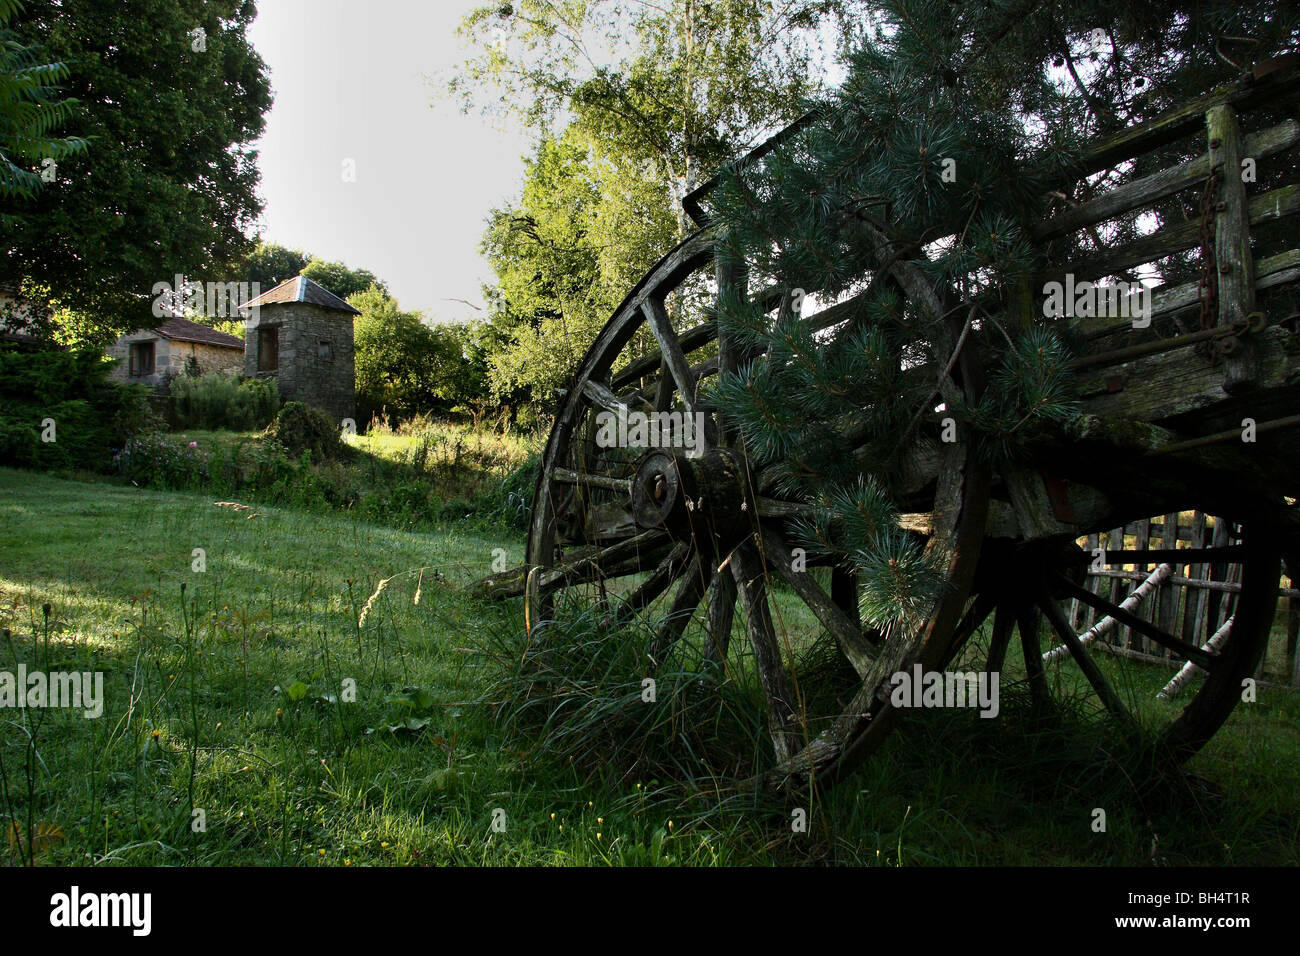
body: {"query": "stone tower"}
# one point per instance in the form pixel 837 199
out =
pixel 300 334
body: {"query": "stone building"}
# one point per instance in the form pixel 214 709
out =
pixel 153 356
pixel 300 334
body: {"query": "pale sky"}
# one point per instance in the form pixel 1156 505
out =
pixel 349 85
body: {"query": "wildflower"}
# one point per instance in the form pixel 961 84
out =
pixel 193 444
pixel 597 836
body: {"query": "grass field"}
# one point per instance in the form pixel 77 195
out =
pixel 229 704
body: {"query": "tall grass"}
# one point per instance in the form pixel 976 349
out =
pixel 224 401
pixel 233 702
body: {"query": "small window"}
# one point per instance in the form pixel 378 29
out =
pixel 268 350
pixel 323 351
pixel 142 354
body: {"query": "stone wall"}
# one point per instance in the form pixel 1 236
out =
pixel 170 358
pixel 316 357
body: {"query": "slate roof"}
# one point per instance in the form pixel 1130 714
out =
pixel 302 289
pixel 183 330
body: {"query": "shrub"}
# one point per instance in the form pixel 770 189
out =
pixel 301 428
pixel 223 401
pixel 91 416
pixel 159 460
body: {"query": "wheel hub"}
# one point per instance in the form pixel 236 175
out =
pixel 690 497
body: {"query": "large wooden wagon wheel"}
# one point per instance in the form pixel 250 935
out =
pixel 701 532
pixel 1023 591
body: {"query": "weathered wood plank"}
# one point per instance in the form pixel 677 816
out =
pixel 1186 119
pixel 1158 387
pixel 1274 271
pixel 1195 597
pixel 1115 542
pixel 1267 207
pixel 1167 606
pixel 1149 189
pixel 1232 245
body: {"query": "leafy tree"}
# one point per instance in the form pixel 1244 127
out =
pixel 633 104
pixel 30 109
pixel 271 263
pixel 341 280
pixel 678 86
pixel 172 96
pixel 405 365
pixel 586 226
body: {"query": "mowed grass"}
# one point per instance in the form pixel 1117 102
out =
pixel 200 759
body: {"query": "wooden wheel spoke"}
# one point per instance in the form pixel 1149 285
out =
pixel 630 556
pixel 751 587
pixel 844 592
pixel 606 399
pixel 1177 645
pixel 567 476
pixel 1032 649
pixel 1056 617
pixel 674 359
pixel 664 389
pixel 669 569
pixel 979 611
pixel 1002 623
pixel 852 642
pixel 722 609
pixel 691 590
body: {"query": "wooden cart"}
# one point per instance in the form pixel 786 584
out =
pixel 1196 411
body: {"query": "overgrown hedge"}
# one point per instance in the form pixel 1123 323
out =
pixel 58 410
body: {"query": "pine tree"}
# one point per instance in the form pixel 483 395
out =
pixel 955 119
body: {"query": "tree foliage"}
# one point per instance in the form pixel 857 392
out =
pixel 405 365
pixel 172 96
pixel 586 226
pixel 340 279
pixel 30 110
pixel 270 263
pixel 633 104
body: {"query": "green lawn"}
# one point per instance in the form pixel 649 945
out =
pixel 231 697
